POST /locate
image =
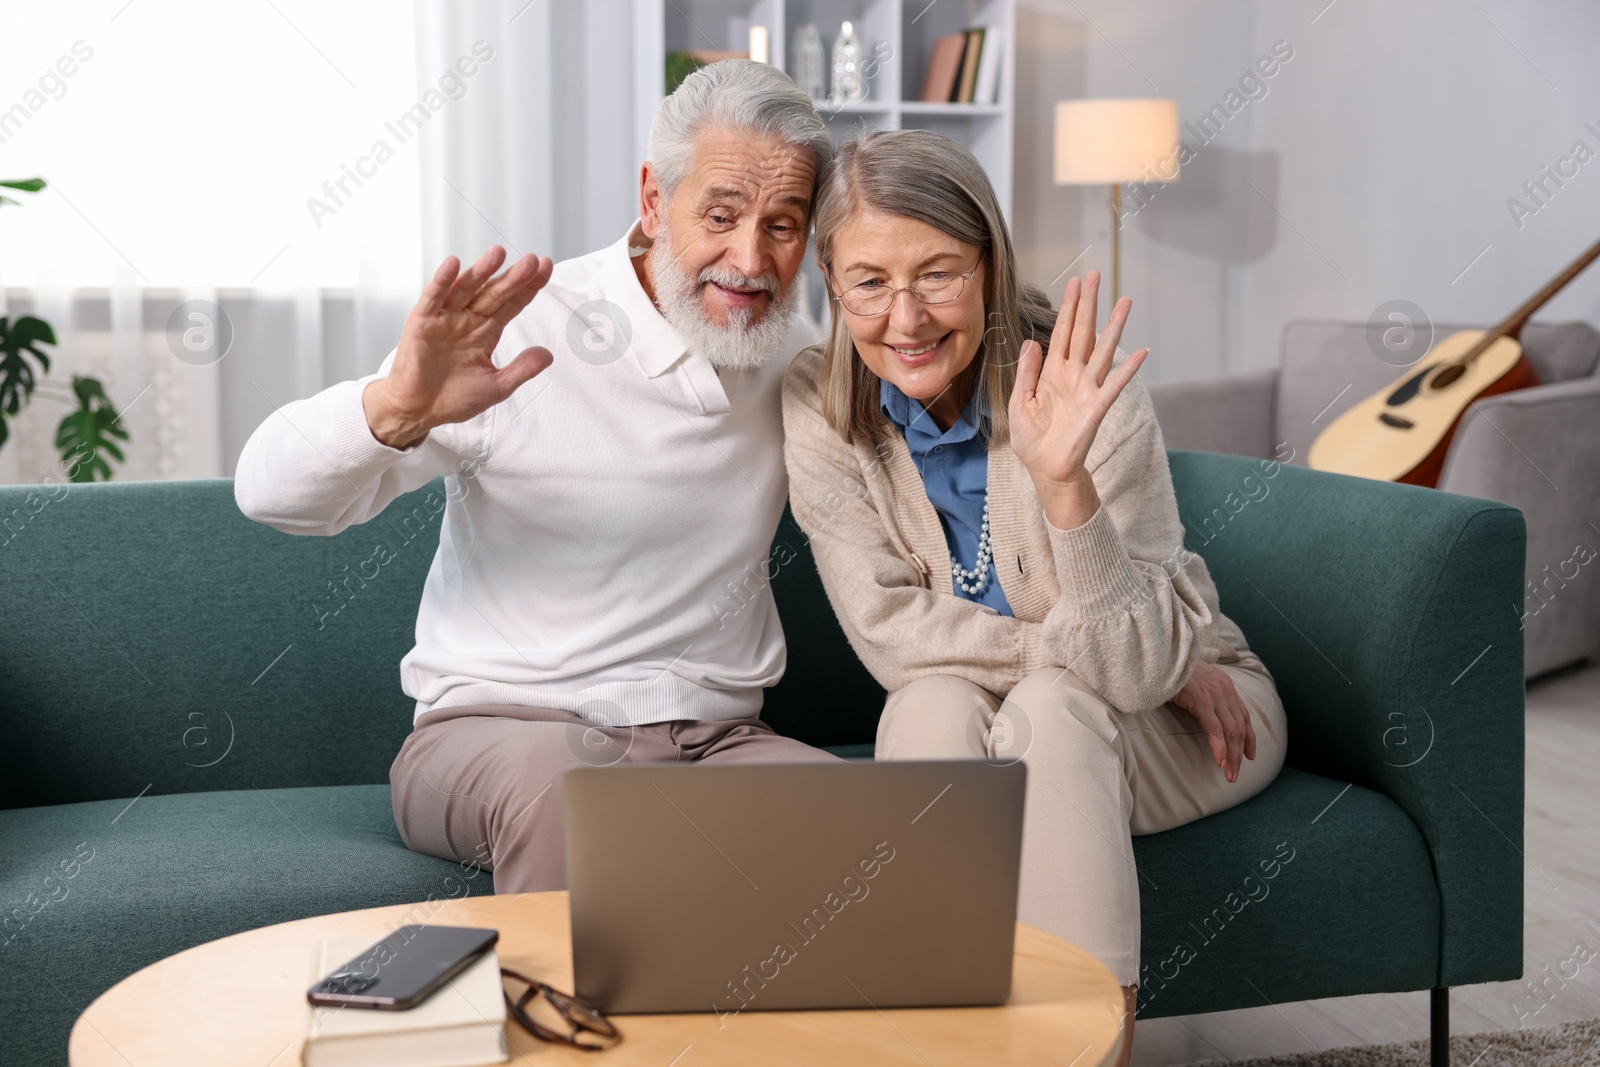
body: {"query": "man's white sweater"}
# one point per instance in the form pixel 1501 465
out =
pixel 606 533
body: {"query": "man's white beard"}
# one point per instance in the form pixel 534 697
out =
pixel 738 345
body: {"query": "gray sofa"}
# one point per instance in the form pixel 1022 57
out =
pixel 1537 449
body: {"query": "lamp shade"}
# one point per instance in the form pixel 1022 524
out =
pixel 1105 142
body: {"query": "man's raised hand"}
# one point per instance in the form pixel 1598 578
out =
pixel 444 370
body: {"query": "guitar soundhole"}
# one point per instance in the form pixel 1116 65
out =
pixel 1408 388
pixel 1447 375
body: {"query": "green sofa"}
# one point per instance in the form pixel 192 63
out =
pixel 195 737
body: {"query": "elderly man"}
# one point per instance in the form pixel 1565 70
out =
pixel 610 435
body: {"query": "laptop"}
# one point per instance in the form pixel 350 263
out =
pixel 754 887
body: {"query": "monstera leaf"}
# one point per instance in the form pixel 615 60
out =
pixel 26 185
pixel 84 437
pixel 19 339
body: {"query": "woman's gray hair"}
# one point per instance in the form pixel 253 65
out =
pixel 740 95
pixel 928 177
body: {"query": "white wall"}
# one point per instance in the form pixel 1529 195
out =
pixel 1389 145
pixel 1384 153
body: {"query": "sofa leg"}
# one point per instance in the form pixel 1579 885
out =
pixel 1439 1027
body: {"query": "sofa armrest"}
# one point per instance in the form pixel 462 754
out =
pixel 1539 451
pixel 1230 414
pixel 1382 612
pixel 1547 432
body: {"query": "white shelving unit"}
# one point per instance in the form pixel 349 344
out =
pixel 902 31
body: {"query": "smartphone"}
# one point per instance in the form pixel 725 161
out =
pixel 401 970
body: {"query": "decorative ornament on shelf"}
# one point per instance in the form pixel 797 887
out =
pixel 849 83
pixel 807 62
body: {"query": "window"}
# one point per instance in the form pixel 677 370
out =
pixel 188 144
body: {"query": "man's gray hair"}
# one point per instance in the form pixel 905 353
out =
pixel 741 95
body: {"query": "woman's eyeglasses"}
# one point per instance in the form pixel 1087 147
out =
pixel 874 298
pixel 583 1026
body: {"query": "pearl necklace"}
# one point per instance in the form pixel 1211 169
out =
pixel 979 575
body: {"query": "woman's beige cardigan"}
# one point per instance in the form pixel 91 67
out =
pixel 1118 600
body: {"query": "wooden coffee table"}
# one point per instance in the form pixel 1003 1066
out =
pixel 241 1000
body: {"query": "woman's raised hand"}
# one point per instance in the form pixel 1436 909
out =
pixel 444 370
pixel 1061 396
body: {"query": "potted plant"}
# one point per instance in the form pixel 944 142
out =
pixel 90 432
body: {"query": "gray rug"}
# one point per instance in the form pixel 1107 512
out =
pixel 1568 1045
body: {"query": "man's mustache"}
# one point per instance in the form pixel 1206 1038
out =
pixel 734 279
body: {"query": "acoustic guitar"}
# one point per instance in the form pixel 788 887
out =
pixel 1401 433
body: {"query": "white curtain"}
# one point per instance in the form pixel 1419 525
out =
pixel 487 171
pixel 297 169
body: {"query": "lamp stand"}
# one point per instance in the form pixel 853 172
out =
pixel 1116 242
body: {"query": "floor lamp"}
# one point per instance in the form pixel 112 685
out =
pixel 1108 142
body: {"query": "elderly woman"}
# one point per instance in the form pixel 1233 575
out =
pixel 954 415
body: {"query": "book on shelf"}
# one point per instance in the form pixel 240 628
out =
pixel 988 85
pixel 944 67
pixel 969 66
pixel 964 68
pixel 460 1024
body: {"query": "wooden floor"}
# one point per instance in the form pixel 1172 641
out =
pixel 1562 900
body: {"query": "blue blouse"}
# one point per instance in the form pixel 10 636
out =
pixel 954 465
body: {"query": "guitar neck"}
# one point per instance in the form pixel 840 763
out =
pixel 1513 324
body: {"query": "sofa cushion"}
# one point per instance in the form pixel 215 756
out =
pixel 234 655
pixel 826 697
pixel 125 885
pixel 1561 351
pixel 1331 363
pixel 155 637
pixel 1300 892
